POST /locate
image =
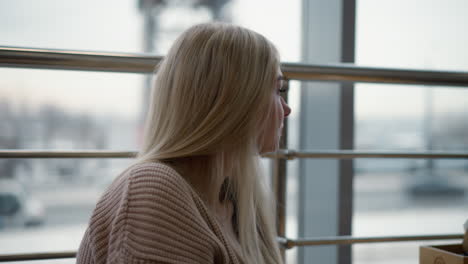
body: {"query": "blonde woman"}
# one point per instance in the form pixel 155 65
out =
pixel 196 193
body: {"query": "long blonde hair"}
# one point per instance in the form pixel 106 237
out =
pixel 211 97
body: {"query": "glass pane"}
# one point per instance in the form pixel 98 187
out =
pixel 42 109
pixel 65 110
pixel 410 196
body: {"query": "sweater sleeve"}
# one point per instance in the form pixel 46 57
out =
pixel 162 223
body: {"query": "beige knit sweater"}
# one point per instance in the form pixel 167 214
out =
pixel 150 214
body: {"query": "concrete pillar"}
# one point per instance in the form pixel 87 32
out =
pixel 326 122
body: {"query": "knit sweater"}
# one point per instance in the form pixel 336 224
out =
pixel 150 214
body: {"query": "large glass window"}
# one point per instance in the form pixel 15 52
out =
pixel 69 110
pixel 42 109
pixel 407 196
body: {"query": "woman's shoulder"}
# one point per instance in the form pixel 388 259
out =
pixel 151 173
pixel 151 214
pixel 157 179
pixel 150 177
pixel 163 219
pixel 147 187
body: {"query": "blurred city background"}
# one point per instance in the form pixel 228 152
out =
pixel 45 203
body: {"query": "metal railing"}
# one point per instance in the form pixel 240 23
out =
pixel 37 256
pixel 287 154
pixel 137 63
pixel 347 240
pixel 286 243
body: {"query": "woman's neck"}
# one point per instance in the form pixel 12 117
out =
pixel 200 173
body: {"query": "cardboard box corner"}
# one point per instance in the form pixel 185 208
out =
pixel 442 254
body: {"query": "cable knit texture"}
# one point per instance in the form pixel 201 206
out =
pixel 150 214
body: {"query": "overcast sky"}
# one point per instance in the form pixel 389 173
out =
pixel 427 34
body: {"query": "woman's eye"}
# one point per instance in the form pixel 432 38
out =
pixel 282 85
pixel 283 90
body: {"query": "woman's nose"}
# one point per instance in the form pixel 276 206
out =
pixel 286 108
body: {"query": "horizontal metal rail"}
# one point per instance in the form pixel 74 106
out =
pixel 358 154
pixel 64 154
pixel 347 240
pixel 282 154
pixel 352 73
pixel 77 60
pixel 144 63
pixel 287 243
pixel 37 256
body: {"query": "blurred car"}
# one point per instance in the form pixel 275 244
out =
pixel 17 207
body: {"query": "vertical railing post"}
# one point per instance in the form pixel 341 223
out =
pixel 279 182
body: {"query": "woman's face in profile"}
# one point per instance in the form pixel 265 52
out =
pixel 274 124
